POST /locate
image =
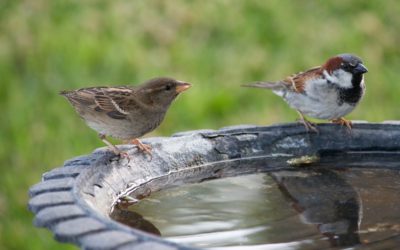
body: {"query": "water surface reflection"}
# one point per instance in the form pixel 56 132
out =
pixel 304 209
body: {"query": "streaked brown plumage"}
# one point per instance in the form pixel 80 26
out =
pixel 126 113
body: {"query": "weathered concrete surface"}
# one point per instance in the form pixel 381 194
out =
pixel 74 201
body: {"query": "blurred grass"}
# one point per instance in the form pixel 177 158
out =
pixel 47 46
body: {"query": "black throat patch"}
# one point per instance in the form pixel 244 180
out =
pixel 352 95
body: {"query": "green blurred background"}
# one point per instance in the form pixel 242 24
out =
pixel 47 46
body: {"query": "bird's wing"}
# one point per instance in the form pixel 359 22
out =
pixel 80 97
pixel 116 101
pixel 295 83
pixel 113 101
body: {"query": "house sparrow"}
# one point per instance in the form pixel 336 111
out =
pixel 328 92
pixel 126 112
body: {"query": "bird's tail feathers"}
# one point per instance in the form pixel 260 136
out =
pixel 64 92
pixel 265 85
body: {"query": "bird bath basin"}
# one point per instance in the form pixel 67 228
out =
pixel 275 187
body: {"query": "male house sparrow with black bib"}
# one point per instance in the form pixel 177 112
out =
pixel 326 92
pixel 126 113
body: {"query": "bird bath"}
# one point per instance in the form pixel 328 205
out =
pixel 335 188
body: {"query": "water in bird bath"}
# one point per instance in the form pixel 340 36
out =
pixel 302 209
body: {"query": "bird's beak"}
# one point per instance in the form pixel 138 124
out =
pixel 182 86
pixel 361 69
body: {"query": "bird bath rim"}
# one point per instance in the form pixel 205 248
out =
pixel 74 201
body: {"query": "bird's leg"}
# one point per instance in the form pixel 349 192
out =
pixel 307 124
pixel 343 122
pixel 112 147
pixel 142 147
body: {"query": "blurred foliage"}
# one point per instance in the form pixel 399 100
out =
pixel 47 46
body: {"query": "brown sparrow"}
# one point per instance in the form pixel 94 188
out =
pixel 328 92
pixel 126 112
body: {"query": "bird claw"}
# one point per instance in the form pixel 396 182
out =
pixel 121 154
pixel 343 122
pixel 124 154
pixel 142 147
pixel 114 149
pixel 307 124
pixel 311 127
pixel 145 148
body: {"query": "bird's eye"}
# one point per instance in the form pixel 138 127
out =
pixel 168 87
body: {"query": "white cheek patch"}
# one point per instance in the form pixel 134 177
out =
pixel 340 78
pixel 344 79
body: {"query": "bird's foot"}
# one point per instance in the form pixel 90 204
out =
pixel 307 124
pixel 124 154
pixel 120 153
pixel 142 147
pixel 310 126
pixel 343 122
pixel 114 149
